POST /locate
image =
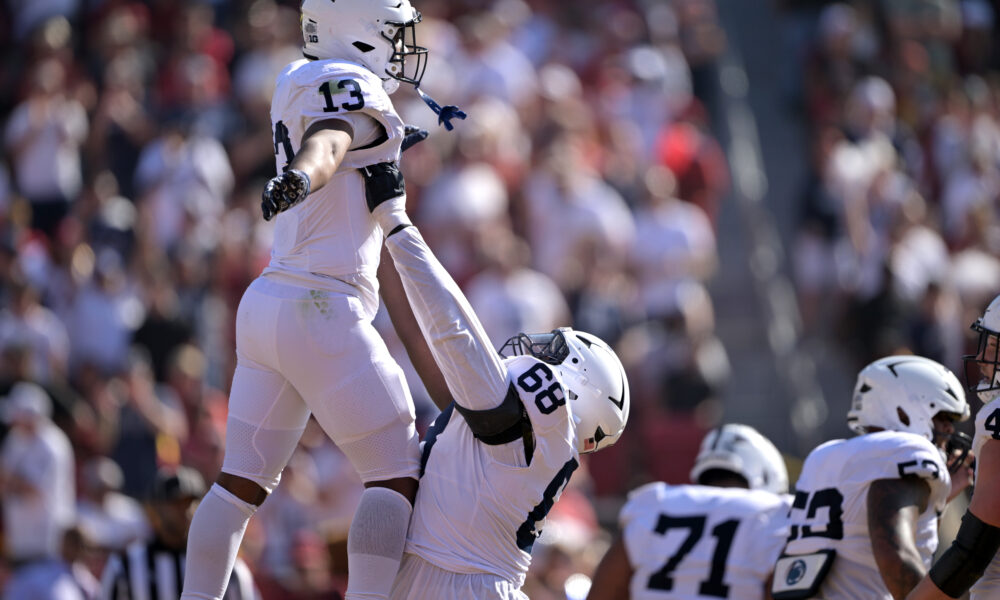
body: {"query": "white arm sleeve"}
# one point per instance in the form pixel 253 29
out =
pixel 472 369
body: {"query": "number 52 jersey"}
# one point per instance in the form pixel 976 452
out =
pixel 481 507
pixel 830 510
pixel 693 542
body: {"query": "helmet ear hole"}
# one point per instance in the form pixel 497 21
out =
pixel 903 417
pixel 363 46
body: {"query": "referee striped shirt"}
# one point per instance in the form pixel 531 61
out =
pixel 153 572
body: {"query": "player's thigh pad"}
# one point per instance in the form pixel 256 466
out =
pixel 334 357
pixel 266 419
pixel 266 414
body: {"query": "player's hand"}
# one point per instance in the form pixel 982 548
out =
pixel 412 135
pixel 284 192
pixel 383 182
pixel 385 193
pixel 963 474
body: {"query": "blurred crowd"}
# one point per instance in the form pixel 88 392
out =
pixel 136 140
pixel 898 245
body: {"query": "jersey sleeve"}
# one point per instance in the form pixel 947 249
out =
pixel 988 422
pixel 897 455
pixel 331 90
pixel 473 370
pixel 770 528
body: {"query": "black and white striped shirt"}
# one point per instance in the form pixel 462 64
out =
pixel 148 571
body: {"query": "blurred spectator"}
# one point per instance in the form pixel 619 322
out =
pixel 25 322
pixel 204 409
pixel 151 425
pixel 110 519
pixel 591 219
pixel 43 137
pixel 674 243
pixel 103 314
pixel 494 291
pixel 65 577
pixel 36 479
pixel 137 572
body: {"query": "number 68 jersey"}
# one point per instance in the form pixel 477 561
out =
pixel 480 507
pixel 830 510
pixel 694 542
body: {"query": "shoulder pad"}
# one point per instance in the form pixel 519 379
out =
pixel 328 88
pixel 640 500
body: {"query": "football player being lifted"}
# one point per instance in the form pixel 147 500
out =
pixel 512 428
pixel 971 561
pixel 865 516
pixel 305 343
pixel 718 538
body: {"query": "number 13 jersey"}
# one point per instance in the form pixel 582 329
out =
pixel 693 542
pixel 330 239
pixel 481 507
pixel 830 510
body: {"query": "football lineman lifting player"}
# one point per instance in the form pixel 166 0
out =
pixel 512 428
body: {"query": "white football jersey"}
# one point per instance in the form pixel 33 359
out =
pixel 830 507
pixel 330 239
pixel 481 507
pixel 693 542
pixel 987 428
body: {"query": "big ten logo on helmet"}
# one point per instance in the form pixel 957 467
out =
pixel 311 31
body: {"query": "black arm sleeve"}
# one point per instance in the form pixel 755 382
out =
pixel 968 556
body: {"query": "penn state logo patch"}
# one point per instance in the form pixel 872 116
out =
pixel 796 572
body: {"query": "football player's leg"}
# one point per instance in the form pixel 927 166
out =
pixel 266 419
pixel 362 402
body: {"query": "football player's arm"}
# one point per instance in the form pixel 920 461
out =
pixel 405 324
pixel 613 575
pixel 894 505
pixel 323 147
pixel 471 367
pixel 978 538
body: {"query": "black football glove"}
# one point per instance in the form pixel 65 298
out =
pixel 383 182
pixel 284 192
pixel 412 135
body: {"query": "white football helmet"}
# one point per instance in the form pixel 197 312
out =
pixel 594 378
pixel 741 449
pixel 378 34
pixel 905 393
pixel 982 369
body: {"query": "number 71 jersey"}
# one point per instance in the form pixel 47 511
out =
pixel 693 542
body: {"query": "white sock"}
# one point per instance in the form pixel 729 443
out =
pixel 375 543
pixel 215 536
